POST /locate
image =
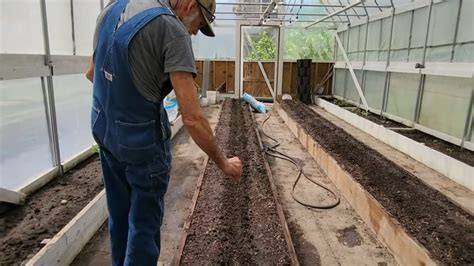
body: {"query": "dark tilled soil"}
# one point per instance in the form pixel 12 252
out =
pixel 463 155
pixel 443 228
pixel 23 228
pixel 236 223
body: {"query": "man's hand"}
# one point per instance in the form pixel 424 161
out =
pixel 233 168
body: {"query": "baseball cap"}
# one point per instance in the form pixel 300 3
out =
pixel 208 8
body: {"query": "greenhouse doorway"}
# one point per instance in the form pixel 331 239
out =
pixel 259 61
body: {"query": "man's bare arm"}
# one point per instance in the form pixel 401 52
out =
pixel 197 124
pixel 90 71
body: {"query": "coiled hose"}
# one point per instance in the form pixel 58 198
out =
pixel 273 152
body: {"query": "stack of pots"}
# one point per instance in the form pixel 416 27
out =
pixel 304 80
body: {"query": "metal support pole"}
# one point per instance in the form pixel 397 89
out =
pixel 53 127
pixel 421 87
pixel 469 121
pixel 411 34
pixel 354 77
pixel 391 34
pixel 345 73
pixel 101 4
pixel 71 6
pixel 386 89
pixel 335 13
pixel 205 77
pixel 456 31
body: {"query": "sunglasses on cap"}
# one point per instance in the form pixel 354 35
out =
pixel 210 17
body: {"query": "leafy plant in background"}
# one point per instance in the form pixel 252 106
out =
pixel 304 44
pixel 265 48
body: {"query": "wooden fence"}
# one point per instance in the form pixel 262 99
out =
pixel 222 77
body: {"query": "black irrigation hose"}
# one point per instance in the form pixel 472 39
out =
pixel 271 151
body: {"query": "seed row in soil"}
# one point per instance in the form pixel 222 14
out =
pixel 236 223
pixel 443 228
pixel 24 227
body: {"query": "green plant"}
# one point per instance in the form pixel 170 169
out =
pixel 95 148
pixel 304 44
pixel 265 48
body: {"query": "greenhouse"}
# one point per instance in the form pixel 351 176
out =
pixel 305 132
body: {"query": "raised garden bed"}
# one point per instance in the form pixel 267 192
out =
pixel 443 228
pixel 452 150
pixel 22 229
pixel 236 223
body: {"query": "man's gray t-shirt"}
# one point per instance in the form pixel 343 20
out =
pixel 160 47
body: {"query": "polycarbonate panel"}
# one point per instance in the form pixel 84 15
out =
pixel 351 90
pixel 385 38
pixel 85 15
pixel 25 149
pixel 362 39
pixel 402 94
pixel 401 37
pixel 339 56
pixel 420 22
pixel 59 27
pixel 374 87
pixel 222 46
pixel 73 94
pixel 465 52
pixel 339 82
pixel 20 27
pixel 312 43
pixel 353 43
pixel 442 31
pixel 373 40
pixel 445 104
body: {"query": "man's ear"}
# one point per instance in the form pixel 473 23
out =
pixel 190 6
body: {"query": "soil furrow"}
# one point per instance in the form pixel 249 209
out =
pixel 236 223
pixel 443 228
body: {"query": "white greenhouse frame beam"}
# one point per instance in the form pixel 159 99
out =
pixel 351 70
pixel 335 13
pixel 267 12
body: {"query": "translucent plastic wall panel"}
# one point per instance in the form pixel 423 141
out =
pixel 402 95
pixel 465 52
pixel 310 43
pixel 373 40
pixel 420 21
pixel 445 104
pixel 85 15
pixel 20 27
pixel 385 39
pixel 351 90
pixel 222 46
pixel 24 141
pixel 362 34
pixel 442 29
pixel 401 37
pixel 339 56
pixel 73 95
pixel 59 26
pixel 353 43
pixel 339 82
pixel 374 86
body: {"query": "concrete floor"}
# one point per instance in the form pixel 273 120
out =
pixel 322 237
pixel 326 237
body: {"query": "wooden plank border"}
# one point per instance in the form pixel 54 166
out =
pixel 65 245
pixel 281 214
pixel 455 170
pixel 406 250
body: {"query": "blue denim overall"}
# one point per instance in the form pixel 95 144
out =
pixel 133 134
